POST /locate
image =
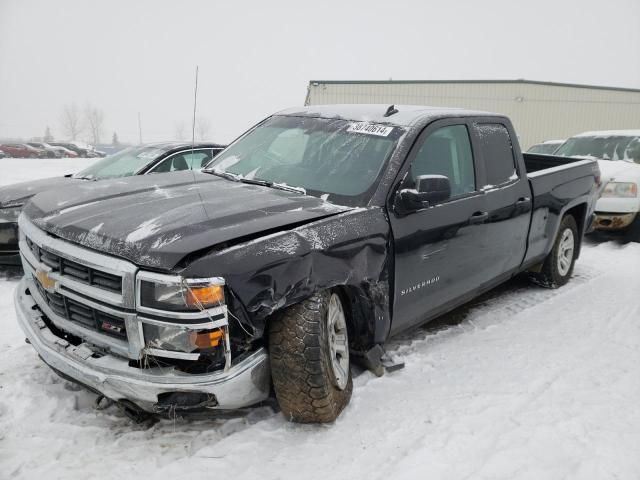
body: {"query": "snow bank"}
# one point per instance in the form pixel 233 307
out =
pixel 16 170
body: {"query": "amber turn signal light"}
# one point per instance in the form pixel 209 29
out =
pixel 208 339
pixel 209 295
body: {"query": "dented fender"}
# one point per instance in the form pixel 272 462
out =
pixel 266 274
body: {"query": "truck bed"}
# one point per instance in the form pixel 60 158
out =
pixel 554 180
pixel 534 162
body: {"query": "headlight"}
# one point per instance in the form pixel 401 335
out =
pixel 620 189
pixel 10 214
pixel 182 295
pixel 180 339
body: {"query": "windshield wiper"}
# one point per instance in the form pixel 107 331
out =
pixel 224 174
pixel 255 181
pixel 277 186
pixel 289 188
pixel 93 179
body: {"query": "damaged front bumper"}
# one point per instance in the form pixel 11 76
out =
pixel 613 221
pixel 154 389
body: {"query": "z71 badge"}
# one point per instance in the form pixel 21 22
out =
pixel 418 286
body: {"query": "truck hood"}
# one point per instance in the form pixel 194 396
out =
pixel 157 220
pixel 619 170
pixel 20 193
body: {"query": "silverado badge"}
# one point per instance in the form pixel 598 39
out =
pixel 48 283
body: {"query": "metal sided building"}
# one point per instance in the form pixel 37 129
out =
pixel 539 110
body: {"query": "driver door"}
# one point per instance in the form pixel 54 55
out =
pixel 439 249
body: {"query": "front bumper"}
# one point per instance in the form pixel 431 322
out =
pixel 245 383
pixel 613 221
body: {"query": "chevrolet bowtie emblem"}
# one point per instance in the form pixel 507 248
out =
pixel 48 283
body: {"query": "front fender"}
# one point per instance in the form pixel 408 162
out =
pixel 269 273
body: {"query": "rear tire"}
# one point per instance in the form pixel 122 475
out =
pixel 309 355
pixel 558 266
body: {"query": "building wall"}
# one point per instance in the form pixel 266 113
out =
pixel 539 111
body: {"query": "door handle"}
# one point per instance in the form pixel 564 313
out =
pixel 478 217
pixel 523 201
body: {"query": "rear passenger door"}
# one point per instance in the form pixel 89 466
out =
pixel 507 193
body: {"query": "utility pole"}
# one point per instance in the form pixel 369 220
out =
pixel 139 129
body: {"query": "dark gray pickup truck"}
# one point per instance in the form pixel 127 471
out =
pixel 306 244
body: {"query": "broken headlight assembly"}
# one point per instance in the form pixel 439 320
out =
pixel 183 318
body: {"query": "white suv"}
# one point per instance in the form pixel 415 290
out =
pixel 618 154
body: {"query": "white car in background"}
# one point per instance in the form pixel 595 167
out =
pixel 547 147
pixel 618 154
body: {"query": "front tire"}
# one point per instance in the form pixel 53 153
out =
pixel 309 355
pixel 558 266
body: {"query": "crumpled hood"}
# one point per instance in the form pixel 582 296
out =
pixel 619 170
pixel 20 193
pixel 156 220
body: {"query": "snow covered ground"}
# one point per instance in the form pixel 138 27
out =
pixel 526 383
pixel 16 170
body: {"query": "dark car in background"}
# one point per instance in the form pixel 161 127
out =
pixel 138 160
pixel 22 150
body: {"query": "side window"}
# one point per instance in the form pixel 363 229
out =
pixel 447 151
pixel 195 160
pixel 497 152
pixel 183 161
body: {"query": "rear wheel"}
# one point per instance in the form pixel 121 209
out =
pixel 558 266
pixel 309 355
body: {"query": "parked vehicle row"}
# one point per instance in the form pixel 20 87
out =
pixel 303 247
pixel 49 150
pixel 138 160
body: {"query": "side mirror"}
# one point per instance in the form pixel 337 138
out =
pixel 430 189
pixel 435 188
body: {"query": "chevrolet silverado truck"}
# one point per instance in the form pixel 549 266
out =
pixel 306 244
pixel 618 155
pixel 138 160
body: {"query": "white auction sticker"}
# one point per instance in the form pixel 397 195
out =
pixel 370 129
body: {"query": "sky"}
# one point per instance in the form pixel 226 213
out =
pixel 256 57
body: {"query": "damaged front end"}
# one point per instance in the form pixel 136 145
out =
pixel 155 342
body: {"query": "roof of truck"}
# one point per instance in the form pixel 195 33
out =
pixel 407 114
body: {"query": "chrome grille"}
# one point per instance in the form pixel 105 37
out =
pixel 76 271
pixel 84 315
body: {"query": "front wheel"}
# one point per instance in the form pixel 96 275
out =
pixel 309 355
pixel 558 266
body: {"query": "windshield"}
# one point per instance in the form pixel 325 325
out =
pixel 610 147
pixel 332 157
pixel 122 164
pixel 544 148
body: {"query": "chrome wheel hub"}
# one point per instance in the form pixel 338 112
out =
pixel 338 342
pixel 565 252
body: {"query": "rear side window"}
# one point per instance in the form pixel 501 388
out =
pixel 497 152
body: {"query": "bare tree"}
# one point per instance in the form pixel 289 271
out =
pixel 71 122
pixel 203 127
pixel 95 122
pixel 180 133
